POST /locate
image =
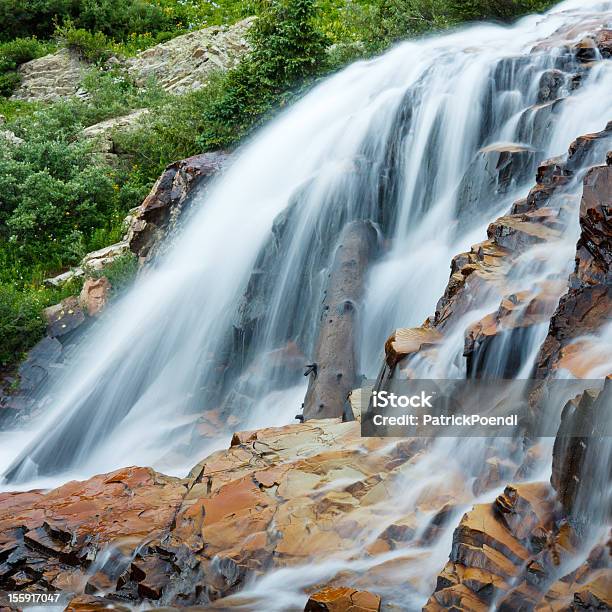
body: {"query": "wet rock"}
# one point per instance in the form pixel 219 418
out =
pixel 586 50
pixel 587 305
pixel 41 359
pixel 603 40
pixel 170 196
pixel 594 249
pixel 90 603
pixel 94 295
pixel 334 373
pixel 64 318
pixel 550 85
pixel 496 550
pixel 509 328
pixel 404 342
pixel 342 599
pixel 578 473
pixel 492 172
pixel 55 552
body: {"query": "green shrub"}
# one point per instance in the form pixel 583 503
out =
pixel 116 18
pixel 14 53
pixel 501 10
pixel 94 47
pixel 120 272
pixel 55 192
pixel 379 23
pixel 288 50
pixel 21 323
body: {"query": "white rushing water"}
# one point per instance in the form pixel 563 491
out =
pixel 406 140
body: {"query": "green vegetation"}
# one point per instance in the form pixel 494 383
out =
pixel 16 52
pixel 120 272
pixel 59 198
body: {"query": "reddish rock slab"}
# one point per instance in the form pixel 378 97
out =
pixel 342 599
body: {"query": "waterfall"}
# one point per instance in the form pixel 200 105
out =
pixel 412 141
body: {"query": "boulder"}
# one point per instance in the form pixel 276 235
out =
pixel 169 197
pixel 103 133
pixel 63 318
pixel 51 77
pixel 95 295
pixel 342 599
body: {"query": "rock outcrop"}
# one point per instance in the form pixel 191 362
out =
pixel 581 456
pixel 587 305
pixel 277 497
pixel 510 555
pixel 538 219
pixel 157 216
pixel 104 133
pixel 51 77
pixel 186 62
pixel 182 64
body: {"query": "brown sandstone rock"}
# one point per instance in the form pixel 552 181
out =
pixel 342 599
pixel 95 295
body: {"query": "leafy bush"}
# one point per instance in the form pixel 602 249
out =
pixel 14 53
pixel 54 190
pixel 502 10
pixel 119 20
pixel 21 324
pixel 288 49
pixel 92 47
pixel 379 23
pixel 120 272
pixel 116 18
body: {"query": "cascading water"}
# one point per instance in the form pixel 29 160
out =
pixel 430 142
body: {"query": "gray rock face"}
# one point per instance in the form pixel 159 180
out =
pixel 179 65
pixel 103 132
pixel 334 372
pixel 185 63
pixel 35 369
pixel 51 77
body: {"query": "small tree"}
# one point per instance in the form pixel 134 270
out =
pixel 288 49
